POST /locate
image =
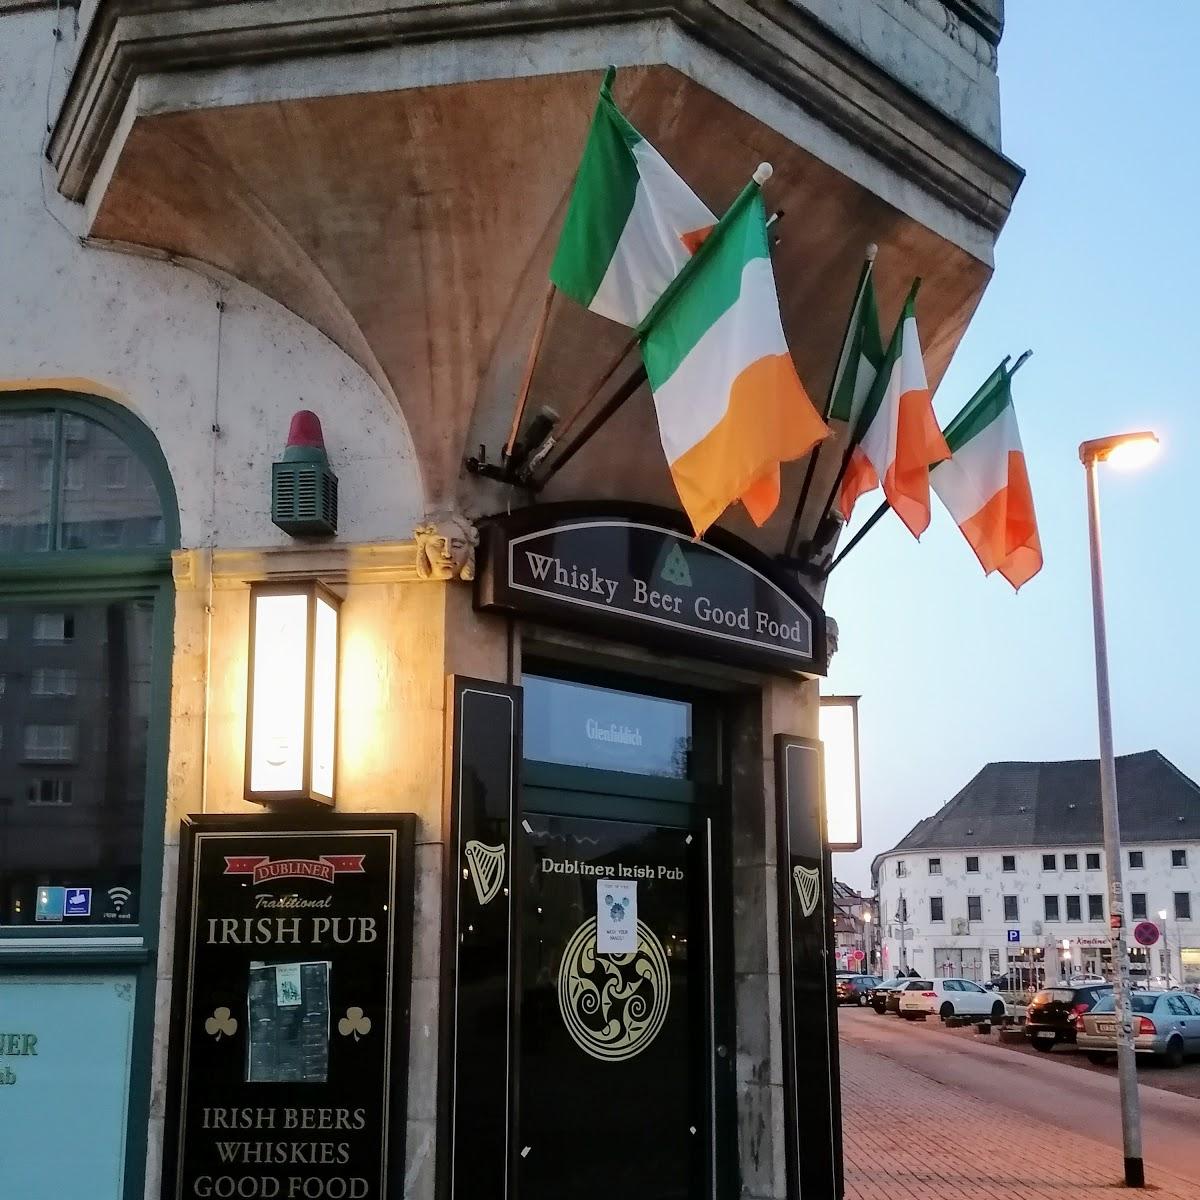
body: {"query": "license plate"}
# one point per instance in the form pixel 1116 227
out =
pixel 1106 1026
pixel 1044 1033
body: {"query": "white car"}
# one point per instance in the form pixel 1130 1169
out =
pixel 948 998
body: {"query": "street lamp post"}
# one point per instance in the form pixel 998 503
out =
pixel 1126 448
pixel 1162 916
pixel 868 952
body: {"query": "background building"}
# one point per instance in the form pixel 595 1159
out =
pixel 853 917
pixel 1010 873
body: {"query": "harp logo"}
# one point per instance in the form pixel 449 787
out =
pixel 808 888
pixel 485 865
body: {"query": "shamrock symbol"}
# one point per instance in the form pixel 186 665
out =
pixel 221 1022
pixel 354 1023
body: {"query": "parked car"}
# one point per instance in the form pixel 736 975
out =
pixel 1165 1024
pixel 1022 979
pixel 853 989
pixel 948 998
pixel 1051 1015
pixel 877 997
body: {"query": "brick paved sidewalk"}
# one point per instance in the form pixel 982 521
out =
pixel 912 1139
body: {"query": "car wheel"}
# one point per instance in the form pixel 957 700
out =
pixel 1094 1056
pixel 863 1002
pixel 1174 1055
pixel 998 1011
pixel 947 1011
pixel 1042 1045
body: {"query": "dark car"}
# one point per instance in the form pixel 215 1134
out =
pixel 1020 980
pixel 884 996
pixel 1050 1017
pixel 853 989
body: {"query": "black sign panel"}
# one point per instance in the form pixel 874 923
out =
pixel 638 574
pixel 811 1071
pixel 476 1079
pixel 290 1032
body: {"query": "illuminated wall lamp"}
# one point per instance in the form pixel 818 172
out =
pixel 292 693
pixel 838 731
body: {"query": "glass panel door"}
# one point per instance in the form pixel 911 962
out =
pixel 615 1083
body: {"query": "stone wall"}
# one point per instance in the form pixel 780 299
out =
pixel 943 50
pixel 214 368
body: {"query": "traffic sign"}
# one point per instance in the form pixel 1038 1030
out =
pixel 1145 933
pixel 1014 935
pixel 857 956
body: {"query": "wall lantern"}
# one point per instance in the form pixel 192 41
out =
pixel 292 694
pixel 838 730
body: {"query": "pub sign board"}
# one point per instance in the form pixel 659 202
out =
pixel 289 1037
pixel 635 572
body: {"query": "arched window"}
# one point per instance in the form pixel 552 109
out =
pixel 87 522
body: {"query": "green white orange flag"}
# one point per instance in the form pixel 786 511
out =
pixel 861 357
pixel 985 486
pixel 632 222
pixel 898 435
pixel 730 405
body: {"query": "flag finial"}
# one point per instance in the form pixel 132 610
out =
pixel 762 173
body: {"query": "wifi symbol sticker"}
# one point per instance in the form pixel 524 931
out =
pixel 119 896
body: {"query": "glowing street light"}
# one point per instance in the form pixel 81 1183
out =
pixel 1124 449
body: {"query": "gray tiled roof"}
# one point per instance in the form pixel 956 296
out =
pixel 1058 804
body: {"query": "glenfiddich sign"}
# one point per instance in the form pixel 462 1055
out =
pixel 637 574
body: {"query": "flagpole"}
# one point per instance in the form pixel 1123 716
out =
pixel 871 522
pixel 623 393
pixel 535 348
pixel 863 279
pixel 876 516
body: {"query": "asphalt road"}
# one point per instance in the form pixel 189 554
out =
pixel 1040 1088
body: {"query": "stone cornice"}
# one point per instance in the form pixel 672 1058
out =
pixel 772 40
pixel 332 563
pixel 11 6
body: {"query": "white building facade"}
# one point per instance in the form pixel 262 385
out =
pixel 1008 876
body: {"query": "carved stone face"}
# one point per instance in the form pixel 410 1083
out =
pixel 446 551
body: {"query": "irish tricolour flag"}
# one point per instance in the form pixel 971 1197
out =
pixel 730 405
pixel 898 435
pixel 985 485
pixel 632 222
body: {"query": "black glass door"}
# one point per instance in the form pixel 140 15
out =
pixel 615 1084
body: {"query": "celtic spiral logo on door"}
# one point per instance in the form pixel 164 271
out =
pixel 613 1005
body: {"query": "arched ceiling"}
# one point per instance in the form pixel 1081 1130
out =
pixel 414 225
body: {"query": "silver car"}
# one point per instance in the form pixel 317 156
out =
pixel 1166 1024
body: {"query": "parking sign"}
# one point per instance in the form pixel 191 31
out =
pixel 1014 935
